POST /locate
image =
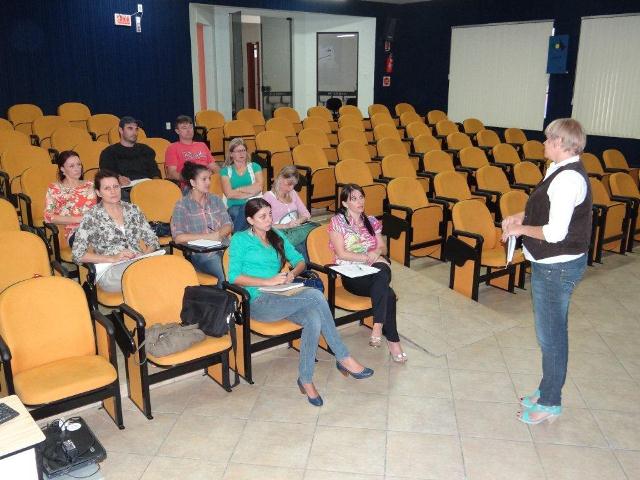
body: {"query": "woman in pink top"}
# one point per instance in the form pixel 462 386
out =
pixel 357 238
pixel 290 215
pixel 68 200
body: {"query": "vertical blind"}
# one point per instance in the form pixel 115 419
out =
pixel 606 97
pixel 498 74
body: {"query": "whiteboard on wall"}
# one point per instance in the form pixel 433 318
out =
pixel 606 96
pixel 498 74
pixel 337 57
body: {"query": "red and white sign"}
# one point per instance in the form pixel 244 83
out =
pixel 122 19
pixel 386 81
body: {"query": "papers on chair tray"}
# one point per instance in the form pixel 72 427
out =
pixel 511 248
pixel 136 182
pixel 281 288
pixel 203 242
pixel 353 270
pixel 101 268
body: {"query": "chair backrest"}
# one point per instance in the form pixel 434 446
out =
pixel 352 149
pixel 9 138
pixel 100 124
pixel 599 192
pixel 426 143
pixel 44 320
pixel 17 159
pixel 377 108
pixel 314 136
pixel 352 133
pixel 34 182
pixel 353 171
pixel 155 286
pixel 614 159
pixel 398 165
pixel 273 141
pixel 513 202
pixel 451 185
pixel 320 111
pixel 514 135
pixel 65 138
pixel 77 114
pixel 287 113
pixel 458 141
pixel 23 255
pixel 281 124
pixel 89 152
pixel 156 198
pixel 438 161
pixel 505 153
pixel 623 185
pixel 415 129
pixel 387 146
pixel 8 217
pixel 472 125
pixel 403 107
pixel 527 173
pixel 385 130
pixel 209 119
pixel 5 124
pixel 473 157
pixel 319 251
pixel 409 117
pixel 487 138
pixel 253 116
pixel 473 216
pixel 406 191
pixel 533 149
pixel 44 127
pixel 238 128
pixel 435 116
pixel 591 163
pixel 492 178
pixel 317 122
pixel 158 144
pixel 352 121
pixel 310 155
pixel 446 127
pixel 351 110
pixel 382 118
pixel 22 116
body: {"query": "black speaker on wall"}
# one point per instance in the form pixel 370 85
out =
pixel 390 28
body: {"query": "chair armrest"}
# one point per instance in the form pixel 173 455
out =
pixel 104 321
pixel 35 140
pixel 439 201
pixel 447 200
pixel 133 314
pixel 322 269
pixel 487 193
pixel 475 236
pixel 190 249
pixel 615 170
pixel 595 175
pixel 5 353
pixel 244 294
pixel 504 166
pixel 467 170
pixel 522 186
pixel 23 197
pixel 382 180
pixel 57 266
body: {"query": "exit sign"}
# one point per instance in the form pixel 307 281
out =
pixel 122 19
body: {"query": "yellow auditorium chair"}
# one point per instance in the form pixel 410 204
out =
pixel 387 130
pixel 399 165
pixel 56 355
pixel 624 189
pixel 16 160
pixel 22 116
pixel 153 289
pixel 436 161
pixel 215 186
pixel 515 137
pixel 10 138
pixel 100 124
pixel 491 180
pixel 350 132
pixel 9 221
pixel 273 149
pixel 321 124
pixel 472 126
pixel 475 244
pixel 384 118
pixel 425 222
pixel 415 129
pixel 209 125
pixel 353 149
pixel 409 117
pixel 43 127
pixel 533 151
pixel 425 143
pixel 77 114
pixel 159 146
pixel 67 137
pixel 452 188
pixel 445 128
pixel 435 116
pixel 319 175
pixel 323 112
pixel 6 124
pixel 242 129
pixel 89 153
pixel 612 221
pixel 527 174
pixel 378 108
pixel 356 171
pixel 506 156
pixel 252 116
pixel 353 110
pixel 290 114
pixel 403 107
pixel 471 159
pixel 513 202
pixel 315 136
pixel 487 139
pixel 457 141
pixel 614 161
pixel 156 198
pixel 34 183
pixel 254 336
pixel 593 166
pixel 285 127
pixel 389 146
pixel 114 135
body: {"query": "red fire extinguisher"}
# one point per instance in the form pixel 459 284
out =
pixel 388 64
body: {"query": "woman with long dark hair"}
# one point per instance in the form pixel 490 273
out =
pixel 357 238
pixel 257 257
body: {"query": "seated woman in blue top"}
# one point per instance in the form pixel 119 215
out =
pixel 241 180
pixel 256 258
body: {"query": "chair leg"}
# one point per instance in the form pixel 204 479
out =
pixel 113 406
pixel 219 372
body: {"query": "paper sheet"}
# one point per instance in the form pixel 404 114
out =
pixel 281 288
pixel 101 268
pixel 353 270
pixel 136 182
pixel 202 242
pixel 511 248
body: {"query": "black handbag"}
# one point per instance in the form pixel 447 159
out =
pixel 161 229
pixel 214 310
pixel 310 279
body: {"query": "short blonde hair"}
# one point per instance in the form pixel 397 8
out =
pixel 233 144
pixel 570 133
pixel 288 172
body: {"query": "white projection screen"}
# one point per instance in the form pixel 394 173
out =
pixel 498 73
pixel 606 96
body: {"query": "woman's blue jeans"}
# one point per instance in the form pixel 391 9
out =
pixel 309 309
pixel 210 263
pixel 236 212
pixel 551 289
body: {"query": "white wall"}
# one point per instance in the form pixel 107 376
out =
pixel 305 27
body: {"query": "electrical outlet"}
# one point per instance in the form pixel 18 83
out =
pixel 139 8
pixel 167 125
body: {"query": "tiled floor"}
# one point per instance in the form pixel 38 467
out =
pixel 449 413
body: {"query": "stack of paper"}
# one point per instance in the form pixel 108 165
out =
pixel 202 242
pixel 353 270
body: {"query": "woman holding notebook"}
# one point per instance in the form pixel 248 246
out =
pixel 357 238
pixel 256 259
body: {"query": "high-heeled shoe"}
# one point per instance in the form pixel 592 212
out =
pixel 552 413
pixel 530 400
pixel 374 341
pixel 315 401
pixel 365 373
pixel 399 358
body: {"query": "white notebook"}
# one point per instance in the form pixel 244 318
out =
pixel 281 288
pixel 202 242
pixel 353 270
